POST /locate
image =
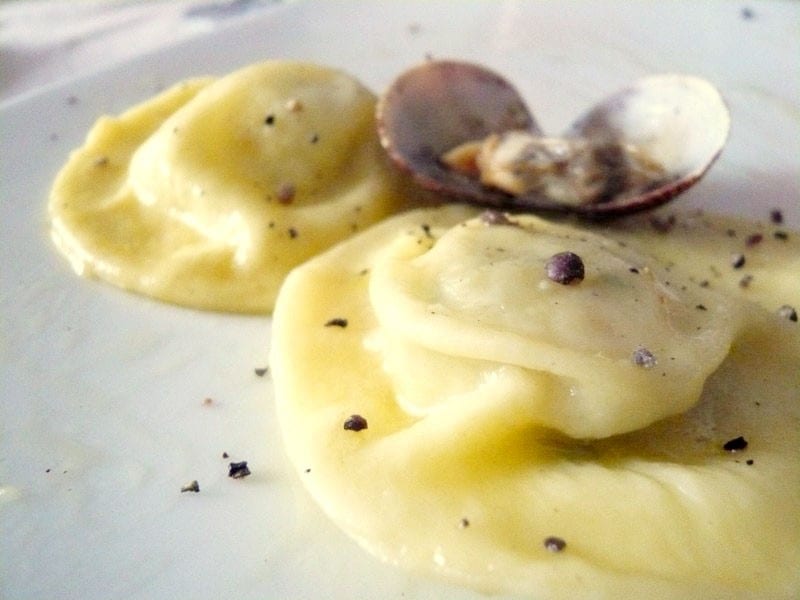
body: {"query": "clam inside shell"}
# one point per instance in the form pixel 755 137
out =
pixel 463 130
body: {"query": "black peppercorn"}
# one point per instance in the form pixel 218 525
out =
pixel 565 268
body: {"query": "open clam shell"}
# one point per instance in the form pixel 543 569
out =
pixel 633 151
pixel 439 105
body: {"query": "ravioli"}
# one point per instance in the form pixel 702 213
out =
pixel 209 193
pixel 458 412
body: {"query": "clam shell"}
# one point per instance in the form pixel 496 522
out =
pixel 678 122
pixel 439 105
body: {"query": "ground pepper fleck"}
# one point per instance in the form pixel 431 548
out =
pixel 495 217
pixel 737 444
pixel 337 322
pixel 261 371
pixel 788 312
pixel 753 239
pixel 737 261
pixel 294 105
pixel 237 470
pixel 662 224
pixel 355 423
pixel 644 358
pixel 554 544
pixel 193 486
pixel 286 192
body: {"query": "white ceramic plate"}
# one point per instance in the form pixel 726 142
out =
pixel 102 410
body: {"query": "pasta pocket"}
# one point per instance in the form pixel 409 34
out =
pixel 530 407
pixel 620 350
pixel 209 193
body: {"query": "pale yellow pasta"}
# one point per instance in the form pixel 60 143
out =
pixel 481 294
pixel 208 194
pixel 507 437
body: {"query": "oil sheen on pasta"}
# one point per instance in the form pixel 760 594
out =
pixel 511 438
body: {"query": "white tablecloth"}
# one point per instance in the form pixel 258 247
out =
pixel 46 41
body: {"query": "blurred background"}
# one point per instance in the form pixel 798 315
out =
pixel 47 41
